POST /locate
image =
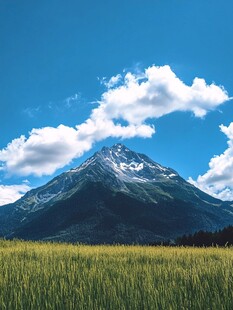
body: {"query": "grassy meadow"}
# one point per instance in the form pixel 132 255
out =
pixel 63 276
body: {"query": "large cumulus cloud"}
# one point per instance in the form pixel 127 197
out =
pixel 132 100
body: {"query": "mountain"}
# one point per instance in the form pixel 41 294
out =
pixel 116 196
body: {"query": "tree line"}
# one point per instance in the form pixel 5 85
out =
pixel 222 237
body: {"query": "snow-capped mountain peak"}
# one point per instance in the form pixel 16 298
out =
pixel 127 165
pixel 114 166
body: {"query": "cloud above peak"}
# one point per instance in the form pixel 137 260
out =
pixel 130 99
pixel 157 92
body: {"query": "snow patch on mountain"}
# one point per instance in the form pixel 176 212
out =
pixel 133 166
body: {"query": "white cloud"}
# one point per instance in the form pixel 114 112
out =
pixel 218 180
pixel 11 193
pixel 158 92
pixel 43 152
pixel 132 99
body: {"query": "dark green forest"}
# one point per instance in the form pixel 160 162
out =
pixel 222 237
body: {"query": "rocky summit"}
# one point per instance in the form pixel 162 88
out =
pixel 116 196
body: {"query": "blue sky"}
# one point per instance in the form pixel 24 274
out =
pixel 59 61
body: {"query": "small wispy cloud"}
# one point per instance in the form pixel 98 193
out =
pixel 70 103
pixel 72 100
pixel 32 111
pixel 132 98
pixel 112 82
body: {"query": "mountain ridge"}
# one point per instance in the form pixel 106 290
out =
pixel 117 195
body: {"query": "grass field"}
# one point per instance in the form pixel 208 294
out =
pixel 61 276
